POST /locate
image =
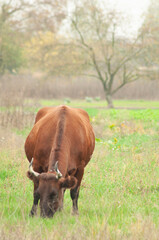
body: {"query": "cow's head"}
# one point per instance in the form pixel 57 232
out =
pixel 49 189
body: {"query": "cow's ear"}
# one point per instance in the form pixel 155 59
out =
pixel 32 177
pixel 69 182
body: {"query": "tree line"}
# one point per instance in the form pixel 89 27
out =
pixel 86 40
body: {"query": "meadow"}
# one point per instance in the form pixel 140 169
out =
pixel 119 196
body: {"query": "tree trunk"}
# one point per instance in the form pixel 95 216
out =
pixel 109 101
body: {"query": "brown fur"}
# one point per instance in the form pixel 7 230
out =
pixel 59 133
pixel 64 135
pixel 48 177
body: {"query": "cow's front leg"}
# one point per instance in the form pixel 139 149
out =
pixel 75 191
pixel 62 200
pixel 35 205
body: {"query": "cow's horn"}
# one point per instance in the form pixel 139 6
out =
pixel 59 174
pixel 31 169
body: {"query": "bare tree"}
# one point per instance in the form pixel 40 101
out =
pixel 10 10
pixel 112 58
pixel 35 15
pixel 150 33
pixel 46 15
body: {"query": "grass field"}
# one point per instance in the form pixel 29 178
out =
pixel 119 197
pixel 89 102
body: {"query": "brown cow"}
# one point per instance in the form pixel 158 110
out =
pixel 58 148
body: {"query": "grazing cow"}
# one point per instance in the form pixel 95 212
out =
pixel 58 148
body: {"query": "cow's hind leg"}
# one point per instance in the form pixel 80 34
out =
pixel 75 191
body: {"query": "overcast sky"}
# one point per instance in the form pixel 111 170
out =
pixel 134 9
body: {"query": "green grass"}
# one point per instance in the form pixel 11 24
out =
pixel 120 189
pixel 102 103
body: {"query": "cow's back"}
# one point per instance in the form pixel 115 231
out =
pixel 64 128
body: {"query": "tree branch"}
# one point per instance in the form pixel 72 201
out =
pixel 92 53
pixel 129 78
pixel 81 36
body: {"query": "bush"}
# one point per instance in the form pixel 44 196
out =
pixel 11 56
pixel 89 99
pixel 97 99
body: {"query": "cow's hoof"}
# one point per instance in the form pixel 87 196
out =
pixel 75 212
pixel 31 214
